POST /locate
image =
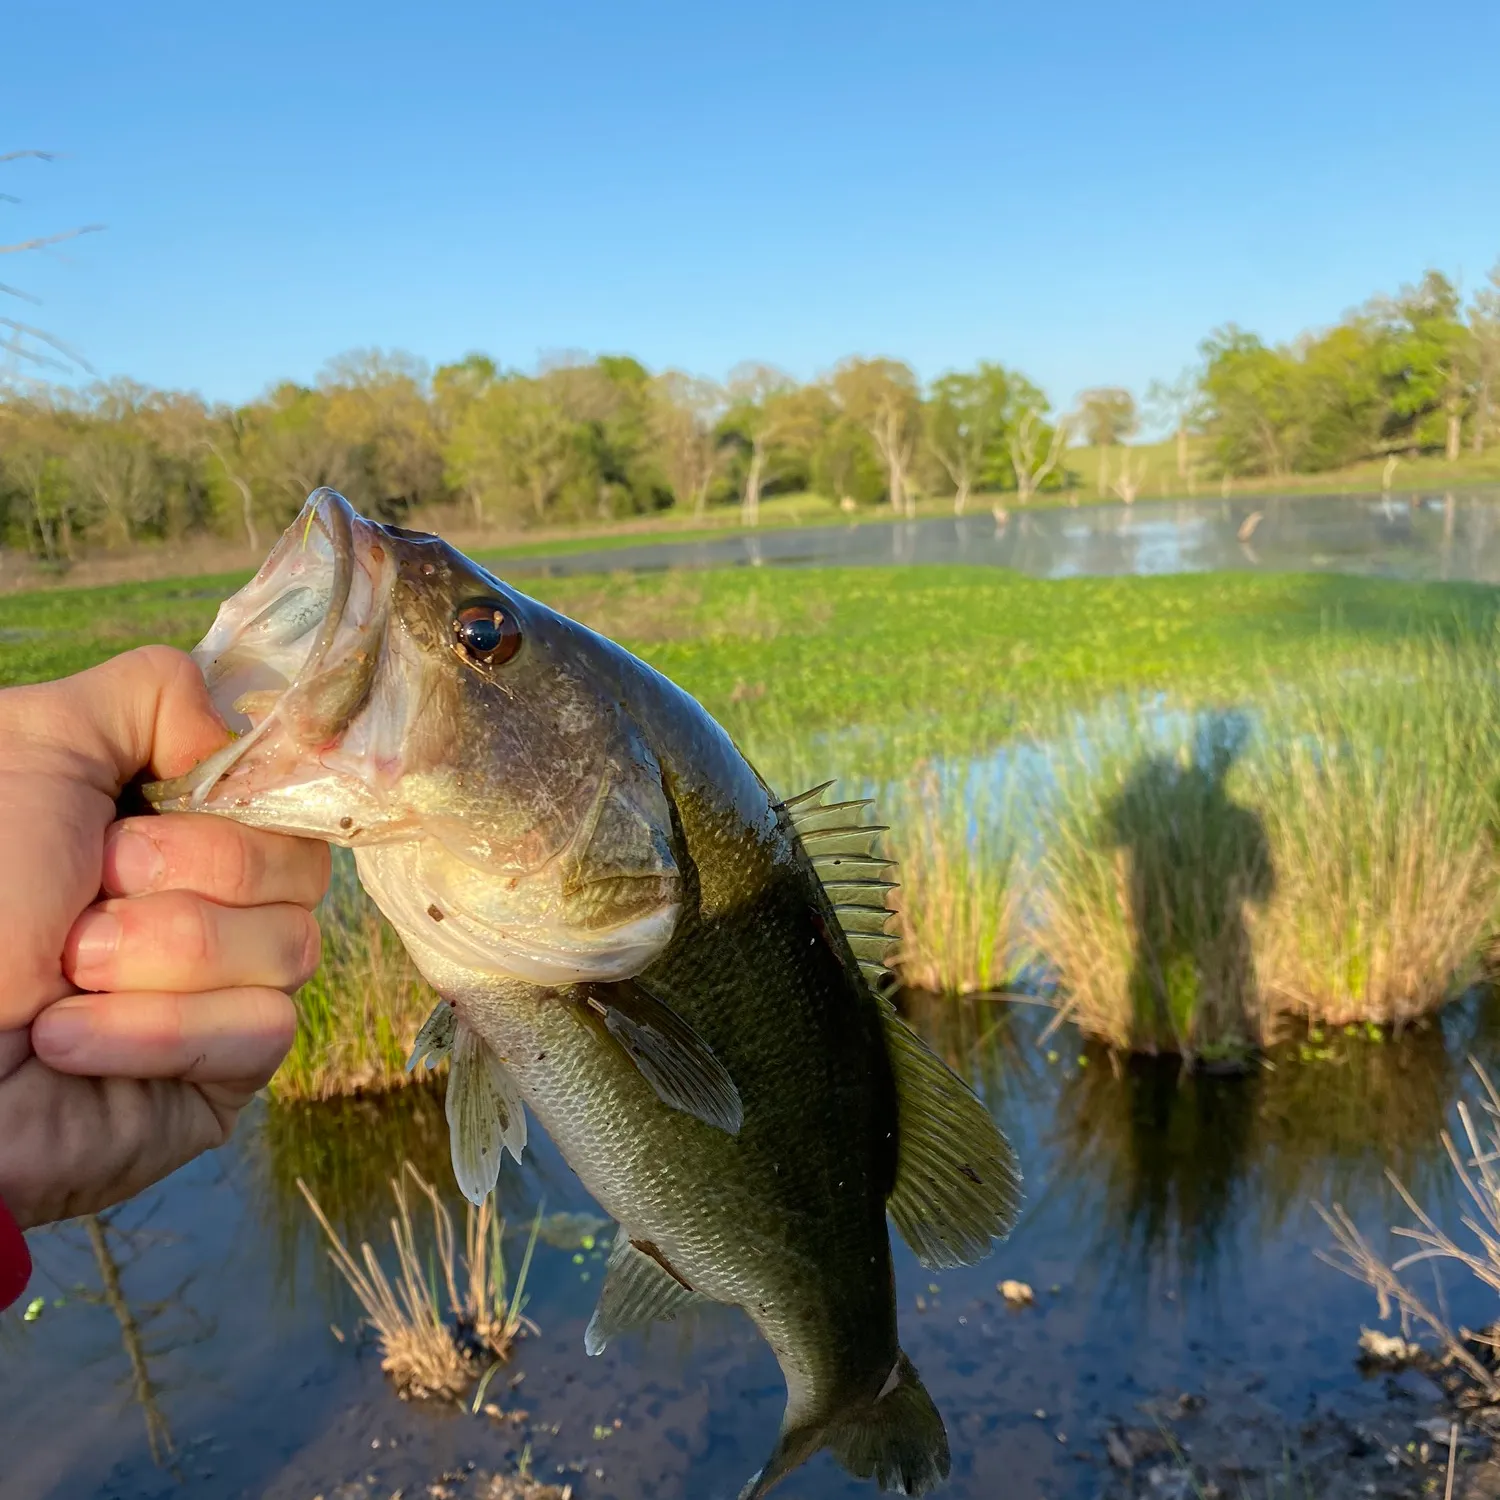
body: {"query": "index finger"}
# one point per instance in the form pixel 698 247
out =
pixel 212 857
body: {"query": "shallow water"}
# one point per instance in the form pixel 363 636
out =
pixel 1423 536
pixel 1168 1237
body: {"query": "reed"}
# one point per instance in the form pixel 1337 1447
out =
pixel 357 1016
pixel 1328 854
pixel 426 1353
pixel 1476 1168
pixel 959 902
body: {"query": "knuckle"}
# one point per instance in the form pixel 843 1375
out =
pixel 306 947
pixel 238 865
pixel 191 928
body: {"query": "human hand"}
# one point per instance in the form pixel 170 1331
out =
pixel 133 1029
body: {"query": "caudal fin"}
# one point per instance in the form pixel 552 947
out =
pixel 898 1440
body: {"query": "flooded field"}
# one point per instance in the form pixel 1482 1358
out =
pixel 204 1345
pixel 1171 1331
pixel 1424 536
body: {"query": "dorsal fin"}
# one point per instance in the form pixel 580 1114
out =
pixel 845 854
pixel 958 1184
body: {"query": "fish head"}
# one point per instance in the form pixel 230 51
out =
pixel 473 747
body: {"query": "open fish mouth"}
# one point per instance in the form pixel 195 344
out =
pixel 290 658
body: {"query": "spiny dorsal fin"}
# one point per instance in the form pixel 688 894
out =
pixel 485 1115
pixel 638 1290
pixel 845 854
pixel 958 1184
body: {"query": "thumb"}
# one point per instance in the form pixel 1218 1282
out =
pixel 147 709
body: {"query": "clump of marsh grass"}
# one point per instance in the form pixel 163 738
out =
pixel 357 1015
pixel 1379 803
pixel 1329 855
pixel 1147 865
pixel 426 1353
pixel 1477 1170
pixel 959 900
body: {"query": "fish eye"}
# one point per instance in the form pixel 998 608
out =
pixel 486 632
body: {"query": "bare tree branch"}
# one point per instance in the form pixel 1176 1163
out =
pixel 50 239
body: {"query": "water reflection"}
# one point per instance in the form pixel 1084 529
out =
pixel 1142 1180
pixel 1421 536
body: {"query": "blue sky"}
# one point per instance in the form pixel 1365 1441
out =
pixel 1082 191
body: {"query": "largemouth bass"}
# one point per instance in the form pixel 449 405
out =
pixel 678 974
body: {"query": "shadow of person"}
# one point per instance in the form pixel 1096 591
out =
pixel 1194 860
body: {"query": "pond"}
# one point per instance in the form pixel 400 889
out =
pixel 1424 536
pixel 204 1345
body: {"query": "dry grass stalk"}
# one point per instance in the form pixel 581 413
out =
pixel 1479 1173
pixel 425 1353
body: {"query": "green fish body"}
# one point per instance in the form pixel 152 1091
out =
pixel 682 981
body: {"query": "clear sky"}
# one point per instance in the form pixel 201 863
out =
pixel 1082 191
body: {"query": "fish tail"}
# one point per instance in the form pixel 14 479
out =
pixel 898 1440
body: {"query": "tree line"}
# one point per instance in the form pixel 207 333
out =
pixel 115 462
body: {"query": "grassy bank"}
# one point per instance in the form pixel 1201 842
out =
pixel 1045 752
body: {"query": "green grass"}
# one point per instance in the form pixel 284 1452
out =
pixel 1372 791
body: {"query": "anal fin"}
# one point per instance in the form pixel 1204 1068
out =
pixel 670 1055
pixel 639 1289
pixel 958 1184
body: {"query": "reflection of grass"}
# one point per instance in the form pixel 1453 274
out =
pixel 423 1351
pixel 357 1016
pixel 1182 1158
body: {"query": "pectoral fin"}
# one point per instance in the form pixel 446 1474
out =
pixel 670 1055
pixel 958 1185
pixel 435 1039
pixel 639 1289
pixel 485 1115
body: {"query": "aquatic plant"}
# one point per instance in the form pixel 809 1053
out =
pixel 1378 797
pixel 357 1016
pixel 1477 1170
pixel 425 1352
pixel 959 899
pixel 1147 865
pixel 1329 854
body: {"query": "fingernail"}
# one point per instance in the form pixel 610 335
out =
pixel 96 935
pixel 133 863
pixel 61 1028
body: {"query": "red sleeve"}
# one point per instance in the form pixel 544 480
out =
pixel 15 1260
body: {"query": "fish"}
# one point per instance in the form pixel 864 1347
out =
pixel 680 975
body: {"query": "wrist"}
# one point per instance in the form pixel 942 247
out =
pixel 15 1259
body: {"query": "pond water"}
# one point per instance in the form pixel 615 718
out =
pixel 204 1345
pixel 1411 536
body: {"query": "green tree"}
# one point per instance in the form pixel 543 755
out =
pixel 1175 404
pixel 881 396
pixel 1035 444
pixel 965 426
pixel 1253 407
pixel 684 426
pixel 1107 416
